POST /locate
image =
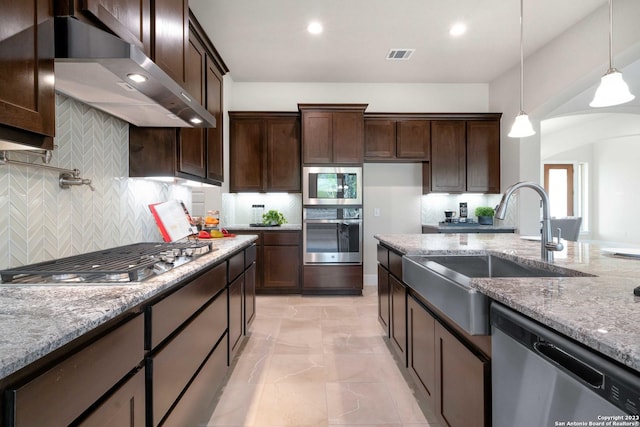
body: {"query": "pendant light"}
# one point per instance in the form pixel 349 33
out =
pixel 612 90
pixel 522 125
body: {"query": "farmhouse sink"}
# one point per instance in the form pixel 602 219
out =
pixel 443 280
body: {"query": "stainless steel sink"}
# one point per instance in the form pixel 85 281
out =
pixel 443 280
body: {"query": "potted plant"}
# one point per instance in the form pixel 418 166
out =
pixel 485 215
pixel 273 217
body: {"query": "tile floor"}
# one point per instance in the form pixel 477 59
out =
pixel 317 361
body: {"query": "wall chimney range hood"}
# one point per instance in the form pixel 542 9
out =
pixel 114 76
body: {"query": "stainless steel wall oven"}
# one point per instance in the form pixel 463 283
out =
pixel 332 235
pixel 332 185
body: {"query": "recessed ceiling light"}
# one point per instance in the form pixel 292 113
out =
pixel 138 78
pixel 458 29
pixel 315 27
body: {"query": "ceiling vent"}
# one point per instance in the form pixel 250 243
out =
pixel 400 54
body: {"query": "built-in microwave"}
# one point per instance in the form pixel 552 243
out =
pixel 332 185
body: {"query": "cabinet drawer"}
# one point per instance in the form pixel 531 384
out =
pixel 395 264
pixel 194 407
pixel 383 256
pixel 236 266
pixel 61 394
pixel 168 314
pixel 174 365
pixel 250 255
pixel 282 238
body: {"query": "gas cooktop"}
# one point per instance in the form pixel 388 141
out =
pixel 122 264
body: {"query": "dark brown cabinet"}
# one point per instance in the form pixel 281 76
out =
pixel 465 155
pixel 384 298
pixel 264 152
pixel 396 138
pixel 278 262
pixel 421 351
pixel 332 133
pixel 170 26
pixel 398 327
pixel 462 382
pixel 392 300
pixel 27 98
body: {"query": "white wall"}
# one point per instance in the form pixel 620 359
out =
pixel 395 190
pixel 565 67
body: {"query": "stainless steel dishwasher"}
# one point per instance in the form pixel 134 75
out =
pixel 541 378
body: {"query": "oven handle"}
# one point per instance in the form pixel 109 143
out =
pixel 332 221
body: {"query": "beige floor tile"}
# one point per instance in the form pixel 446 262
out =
pixel 292 404
pixel 360 403
pixel 295 368
pixel 237 405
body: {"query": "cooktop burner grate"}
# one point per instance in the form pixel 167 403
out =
pixel 132 261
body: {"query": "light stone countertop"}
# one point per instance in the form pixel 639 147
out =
pixel 36 320
pixel 600 312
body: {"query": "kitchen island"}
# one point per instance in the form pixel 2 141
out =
pixel 600 311
pixel 49 332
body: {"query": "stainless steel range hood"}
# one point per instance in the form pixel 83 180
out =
pixel 94 67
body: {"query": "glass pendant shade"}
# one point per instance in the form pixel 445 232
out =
pixel 612 90
pixel 521 126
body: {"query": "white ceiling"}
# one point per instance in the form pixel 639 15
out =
pixel 267 41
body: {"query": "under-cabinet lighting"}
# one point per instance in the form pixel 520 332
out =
pixel 135 77
pixel 195 120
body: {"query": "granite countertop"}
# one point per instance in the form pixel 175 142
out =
pixel 38 319
pixel 283 227
pixel 600 312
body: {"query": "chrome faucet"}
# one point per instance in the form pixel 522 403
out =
pixel 547 245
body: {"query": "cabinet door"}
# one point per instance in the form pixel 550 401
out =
pixel 399 318
pixel 236 316
pixel 448 156
pixel 462 389
pixel 421 348
pixel 27 98
pixel 191 152
pixel 379 139
pixel 383 298
pixel 249 296
pixel 483 156
pixel 281 267
pixel 215 166
pixel 414 139
pixel 124 408
pixel 245 155
pixel 283 155
pixel 348 137
pixel 317 131
pixel 171 37
pixel 129 20
pixel 194 69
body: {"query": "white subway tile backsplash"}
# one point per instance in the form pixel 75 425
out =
pixel 41 221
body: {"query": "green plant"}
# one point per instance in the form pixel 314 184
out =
pixel 273 217
pixel 484 211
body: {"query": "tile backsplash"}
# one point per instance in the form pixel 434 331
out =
pixel 40 221
pixel 434 205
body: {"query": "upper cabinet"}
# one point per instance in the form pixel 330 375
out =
pixel 170 40
pixel 465 155
pixel 27 100
pixel 264 152
pixel 190 153
pixel 332 133
pixel 396 137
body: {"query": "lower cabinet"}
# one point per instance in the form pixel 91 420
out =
pixel 384 298
pixel 62 394
pixel 236 316
pixel 452 375
pixel 331 279
pixel 398 326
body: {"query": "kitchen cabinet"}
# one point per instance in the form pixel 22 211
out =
pixel 465 155
pixel 170 36
pixel 60 393
pixel 392 300
pixel 278 261
pixel 421 349
pixel 27 99
pixel 393 137
pixel 264 152
pixel 332 133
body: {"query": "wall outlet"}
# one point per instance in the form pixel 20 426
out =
pixel 376 211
